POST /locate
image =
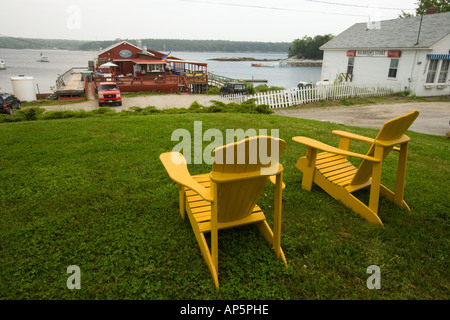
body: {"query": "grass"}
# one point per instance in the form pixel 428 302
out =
pixel 92 192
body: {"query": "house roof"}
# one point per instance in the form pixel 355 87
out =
pixel 117 44
pixel 395 34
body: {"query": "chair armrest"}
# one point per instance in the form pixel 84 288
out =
pixel 273 179
pixel 390 143
pixel 353 136
pixel 325 147
pixel 179 173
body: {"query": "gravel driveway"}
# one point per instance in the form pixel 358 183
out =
pixel 433 119
pixel 158 101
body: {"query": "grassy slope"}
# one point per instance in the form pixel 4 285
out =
pixel 92 192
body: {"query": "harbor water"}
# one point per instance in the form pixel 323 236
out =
pixel 27 62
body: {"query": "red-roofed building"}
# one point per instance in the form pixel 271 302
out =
pixel 137 69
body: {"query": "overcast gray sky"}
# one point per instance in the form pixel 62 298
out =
pixel 240 20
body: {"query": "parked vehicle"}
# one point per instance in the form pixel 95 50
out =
pixel 109 93
pixel 8 103
pixel 233 87
pixel 304 84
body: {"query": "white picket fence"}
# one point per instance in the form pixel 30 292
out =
pixel 293 97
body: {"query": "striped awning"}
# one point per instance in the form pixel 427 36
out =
pixel 439 56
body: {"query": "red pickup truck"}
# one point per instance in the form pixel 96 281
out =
pixel 109 93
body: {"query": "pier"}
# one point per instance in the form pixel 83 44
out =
pixel 216 80
pixel 70 84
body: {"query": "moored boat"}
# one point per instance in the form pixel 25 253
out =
pixel 44 58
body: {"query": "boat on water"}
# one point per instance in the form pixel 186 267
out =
pixel 2 64
pixel 262 65
pixel 44 58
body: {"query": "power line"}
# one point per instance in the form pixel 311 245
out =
pixel 277 8
pixel 357 5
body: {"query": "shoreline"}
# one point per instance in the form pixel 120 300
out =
pixel 288 62
pixel 237 59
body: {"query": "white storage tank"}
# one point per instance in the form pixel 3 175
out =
pixel 23 88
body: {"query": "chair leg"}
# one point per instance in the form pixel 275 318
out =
pixel 277 214
pixel 307 166
pixel 204 249
pixel 207 257
pixel 267 233
pixel 374 198
pixel 376 181
pixel 390 196
pixel 401 175
pixel 182 201
pixel 349 200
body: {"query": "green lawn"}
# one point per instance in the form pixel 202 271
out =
pixel 92 192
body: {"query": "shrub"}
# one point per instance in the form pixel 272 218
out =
pixel 195 107
pixel 30 114
pixel 103 111
pixel 265 88
pixel 61 114
pixel 213 91
pixel 150 110
pixel 10 118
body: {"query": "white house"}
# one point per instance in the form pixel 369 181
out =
pixel 408 54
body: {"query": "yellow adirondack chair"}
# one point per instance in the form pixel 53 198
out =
pixel 226 197
pixel 332 171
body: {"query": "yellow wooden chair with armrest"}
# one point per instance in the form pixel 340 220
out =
pixel 332 171
pixel 226 197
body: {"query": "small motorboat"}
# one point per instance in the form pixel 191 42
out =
pixel 2 64
pixel 44 58
pixel 262 65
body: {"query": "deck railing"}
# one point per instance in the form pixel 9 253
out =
pixel 63 79
pixel 161 79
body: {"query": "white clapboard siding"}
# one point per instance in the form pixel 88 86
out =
pixel 294 96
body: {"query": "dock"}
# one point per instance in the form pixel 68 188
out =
pixel 70 84
pixel 219 81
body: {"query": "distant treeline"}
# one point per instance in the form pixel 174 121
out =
pixel 29 43
pixel 308 48
pixel 154 44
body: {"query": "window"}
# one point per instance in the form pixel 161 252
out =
pixel 351 62
pixel 432 71
pixel 393 68
pixel 444 71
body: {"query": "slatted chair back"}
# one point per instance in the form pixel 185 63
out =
pixel 391 131
pixel 252 161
